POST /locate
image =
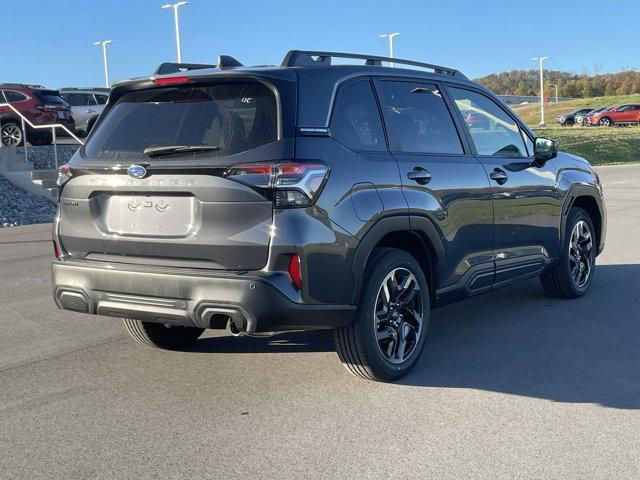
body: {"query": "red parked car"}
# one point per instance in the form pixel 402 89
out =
pixel 622 115
pixel 39 105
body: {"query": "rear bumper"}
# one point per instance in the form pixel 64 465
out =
pixel 255 301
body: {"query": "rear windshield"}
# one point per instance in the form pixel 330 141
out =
pixel 49 97
pixel 230 117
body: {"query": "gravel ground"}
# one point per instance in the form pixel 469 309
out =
pixel 42 157
pixel 18 207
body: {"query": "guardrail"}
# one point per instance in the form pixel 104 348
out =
pixel 52 126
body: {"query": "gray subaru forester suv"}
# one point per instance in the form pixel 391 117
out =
pixel 315 196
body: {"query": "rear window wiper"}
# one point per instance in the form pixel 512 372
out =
pixel 173 149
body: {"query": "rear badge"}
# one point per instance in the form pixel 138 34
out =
pixel 137 171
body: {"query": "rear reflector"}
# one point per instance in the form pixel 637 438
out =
pixel 56 250
pixel 171 80
pixel 295 271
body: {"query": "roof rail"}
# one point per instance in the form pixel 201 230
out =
pixel 299 58
pixel 93 89
pixel 23 85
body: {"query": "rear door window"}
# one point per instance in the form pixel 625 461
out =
pixel 13 97
pixel 417 119
pixel 228 117
pixel 356 120
pixel 101 99
pixel 78 99
pixel 493 131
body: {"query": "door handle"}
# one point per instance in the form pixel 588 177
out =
pixel 90 110
pixel 419 175
pixel 499 176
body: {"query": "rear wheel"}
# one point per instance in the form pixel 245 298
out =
pixel 40 138
pixel 390 328
pixel 573 274
pixel 160 335
pixel 11 134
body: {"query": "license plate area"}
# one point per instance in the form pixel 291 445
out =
pixel 168 216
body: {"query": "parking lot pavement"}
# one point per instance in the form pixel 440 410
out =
pixel 512 385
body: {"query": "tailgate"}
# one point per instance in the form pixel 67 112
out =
pixel 198 221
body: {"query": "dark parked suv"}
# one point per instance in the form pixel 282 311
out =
pixel 315 196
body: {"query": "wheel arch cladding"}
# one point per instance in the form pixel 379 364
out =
pixel 395 233
pixel 589 204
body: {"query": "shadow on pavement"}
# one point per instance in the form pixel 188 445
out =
pixel 518 341
pixel 289 342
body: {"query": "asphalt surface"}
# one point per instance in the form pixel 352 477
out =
pixel 512 385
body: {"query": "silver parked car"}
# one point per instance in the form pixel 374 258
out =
pixel 86 105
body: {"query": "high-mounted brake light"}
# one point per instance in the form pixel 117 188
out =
pixel 292 184
pixel 171 80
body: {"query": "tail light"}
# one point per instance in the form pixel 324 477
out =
pixel 289 184
pixel 65 174
pixel 295 271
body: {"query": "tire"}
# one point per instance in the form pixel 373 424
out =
pixel 560 280
pixel 39 139
pixel 370 348
pixel 159 335
pixel 605 122
pixel 11 134
pixel 90 124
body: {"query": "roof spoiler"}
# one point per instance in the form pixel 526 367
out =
pixel 224 61
pixel 308 58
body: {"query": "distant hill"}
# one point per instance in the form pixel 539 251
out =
pixel 527 82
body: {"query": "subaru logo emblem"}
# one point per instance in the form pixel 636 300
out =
pixel 137 171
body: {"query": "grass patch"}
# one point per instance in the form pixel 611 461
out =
pixel 530 112
pixel 599 145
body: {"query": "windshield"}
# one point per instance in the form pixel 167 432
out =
pixel 230 117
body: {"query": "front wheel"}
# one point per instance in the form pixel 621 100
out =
pixel 390 327
pixel 160 335
pixel 11 134
pixel 605 122
pixel 572 276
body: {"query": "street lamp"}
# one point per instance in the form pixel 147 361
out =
pixel 554 85
pixel 541 59
pixel 390 37
pixel 104 44
pixel 175 7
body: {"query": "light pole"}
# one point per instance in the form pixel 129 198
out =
pixel 175 7
pixel 104 44
pixel 541 59
pixel 390 36
pixel 554 85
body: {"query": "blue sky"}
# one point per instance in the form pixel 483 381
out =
pixel 52 42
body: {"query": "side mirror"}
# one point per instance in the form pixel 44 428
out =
pixel 545 149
